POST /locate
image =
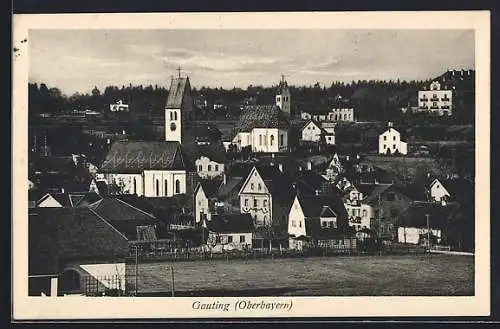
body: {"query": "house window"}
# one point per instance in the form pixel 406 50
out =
pixel 385 146
pixel 200 168
pixel 166 189
pixel 393 138
pixel 265 203
pixel 216 167
pixel 135 186
pixel 294 224
pixel 385 138
pixel 209 167
pixel 229 238
pixel 175 115
pixel 171 115
pixel 246 202
pixel 300 223
pixel 393 146
pixel 260 139
pixel 281 139
pixel 324 224
pixel 177 186
pixel 265 140
pixel 255 203
pixel 242 239
pixel 157 187
pixel 252 186
pixel 271 140
pixel 259 187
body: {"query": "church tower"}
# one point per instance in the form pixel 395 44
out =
pixel 283 100
pixel 179 108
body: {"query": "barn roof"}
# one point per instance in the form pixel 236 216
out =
pixel 136 156
pixel 123 216
pixel 63 234
pixel 210 186
pixel 214 151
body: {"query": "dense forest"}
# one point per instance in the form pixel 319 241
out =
pixel 372 100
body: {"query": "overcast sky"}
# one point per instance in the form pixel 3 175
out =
pixel 76 60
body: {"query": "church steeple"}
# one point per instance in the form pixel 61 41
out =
pixel 178 108
pixel 283 99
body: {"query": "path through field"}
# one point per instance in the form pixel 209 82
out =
pixel 438 275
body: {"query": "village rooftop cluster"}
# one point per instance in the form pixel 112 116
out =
pixel 278 182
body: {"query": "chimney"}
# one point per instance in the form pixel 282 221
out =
pixel 347 157
pixel 280 167
pixel 123 132
pixel 389 124
pixel 316 192
pixel 309 165
pixel 62 190
pixel 224 178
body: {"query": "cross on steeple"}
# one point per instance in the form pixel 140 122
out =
pixel 179 71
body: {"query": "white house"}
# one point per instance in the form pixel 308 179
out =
pixel 311 131
pixel 205 195
pixel 230 232
pixel 451 189
pixel 341 114
pixel 266 195
pixel 413 235
pixel 311 216
pixel 119 106
pixel 390 142
pixel 210 160
pixel 436 100
pixel 263 128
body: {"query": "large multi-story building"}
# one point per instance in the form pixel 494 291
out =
pixel 438 99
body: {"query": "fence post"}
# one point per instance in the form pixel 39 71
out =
pixel 172 282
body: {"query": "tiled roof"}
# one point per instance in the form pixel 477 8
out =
pixel 261 116
pixel 231 223
pixel 461 190
pixel 313 206
pixel 210 186
pixel 439 216
pixel 178 88
pixel 134 156
pixel 214 151
pixel 123 216
pixel 312 180
pixel 57 235
pixel 232 184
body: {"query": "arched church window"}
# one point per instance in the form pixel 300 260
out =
pixel 177 186
pixel 157 187
pixel 171 115
pixel 166 189
pixel 271 140
pixel 175 115
pixel 135 186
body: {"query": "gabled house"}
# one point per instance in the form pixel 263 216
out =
pixel 391 142
pixel 205 196
pixel 68 200
pixel 210 160
pixel 266 195
pixel 311 183
pixel 74 251
pixel 228 199
pixel 452 189
pixel 383 207
pixel 230 232
pixel 313 218
pixel 313 131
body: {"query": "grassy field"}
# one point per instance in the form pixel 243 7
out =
pixel 438 275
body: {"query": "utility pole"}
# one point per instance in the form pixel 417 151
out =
pixel 428 233
pixel 136 268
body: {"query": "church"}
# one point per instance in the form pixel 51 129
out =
pixel 156 168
